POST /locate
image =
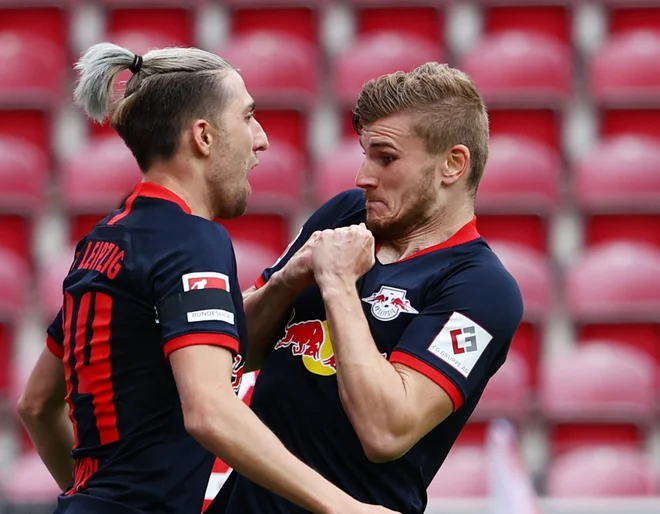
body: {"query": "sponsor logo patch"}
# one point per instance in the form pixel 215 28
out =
pixel 460 343
pixel 205 280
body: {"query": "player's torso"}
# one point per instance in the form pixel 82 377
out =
pixel 126 409
pixel 297 395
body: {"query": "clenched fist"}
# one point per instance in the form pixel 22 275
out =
pixel 346 253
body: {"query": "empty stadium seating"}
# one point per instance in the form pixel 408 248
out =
pixel 601 472
pixel 95 181
pixel 596 402
pixel 463 474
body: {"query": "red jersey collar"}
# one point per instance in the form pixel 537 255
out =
pixel 151 190
pixel 465 234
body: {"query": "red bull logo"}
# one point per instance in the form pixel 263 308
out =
pixel 311 341
pixel 389 302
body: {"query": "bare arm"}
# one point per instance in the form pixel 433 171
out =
pixel 265 310
pixel 391 406
pixel 267 307
pixel 42 409
pixel 227 427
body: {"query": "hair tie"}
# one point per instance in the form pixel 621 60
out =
pixel 137 64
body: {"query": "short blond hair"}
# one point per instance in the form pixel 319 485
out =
pixel 447 108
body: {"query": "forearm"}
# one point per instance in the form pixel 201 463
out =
pixel 52 435
pixel 265 310
pixel 372 391
pixel 240 439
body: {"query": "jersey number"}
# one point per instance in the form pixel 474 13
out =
pixel 89 342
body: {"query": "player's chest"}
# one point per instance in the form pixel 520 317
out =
pixel 390 300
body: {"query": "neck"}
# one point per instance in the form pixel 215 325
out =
pixel 436 230
pixel 184 186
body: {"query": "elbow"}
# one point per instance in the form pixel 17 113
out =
pixel 206 420
pixel 198 423
pixel 383 447
pixel 32 408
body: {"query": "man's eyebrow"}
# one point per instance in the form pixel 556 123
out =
pixel 251 107
pixel 384 144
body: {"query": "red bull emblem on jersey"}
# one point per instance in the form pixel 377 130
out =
pixel 389 302
pixel 311 341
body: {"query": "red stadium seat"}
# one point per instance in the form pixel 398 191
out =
pixel 30 125
pixel 530 231
pixel 277 181
pixel 551 18
pixel 541 125
pixel 44 18
pixel 600 472
pixel 615 282
pixel 16 281
pixel 32 71
pixel 96 180
pixel 620 121
pixel 50 284
pixel 23 175
pixel 613 292
pixel 635 56
pixel 531 270
pixel 268 230
pixel 337 172
pixel 176 24
pixel 527 342
pixel 592 396
pixel 626 15
pixel 463 474
pixel 521 175
pixel 615 204
pixel 30 482
pixel 519 68
pixel 508 392
pixel 421 21
pixel 601 380
pixel 376 54
pixel 300 21
pixel 251 260
pixel 291 82
pixel 601 186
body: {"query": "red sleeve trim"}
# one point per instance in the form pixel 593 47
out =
pixel 212 339
pixel 430 372
pixel 55 348
pixel 260 282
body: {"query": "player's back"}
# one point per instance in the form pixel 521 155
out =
pixel 132 451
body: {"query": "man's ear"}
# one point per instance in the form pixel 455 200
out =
pixel 203 136
pixel 457 163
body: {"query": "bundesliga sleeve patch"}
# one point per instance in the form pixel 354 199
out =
pixel 198 304
pixel 460 343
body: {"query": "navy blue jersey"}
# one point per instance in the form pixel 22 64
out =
pixel 149 279
pixel 449 312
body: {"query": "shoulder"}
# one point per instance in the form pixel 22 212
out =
pixel 181 235
pixel 338 209
pixel 491 288
pixel 479 284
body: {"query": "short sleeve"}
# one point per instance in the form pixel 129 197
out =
pixel 462 337
pixel 55 336
pixel 194 283
pixel 327 216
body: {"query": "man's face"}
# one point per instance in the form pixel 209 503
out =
pixel 240 138
pixel 399 177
